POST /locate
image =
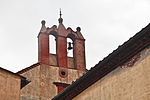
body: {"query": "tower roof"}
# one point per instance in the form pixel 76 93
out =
pixel 60 30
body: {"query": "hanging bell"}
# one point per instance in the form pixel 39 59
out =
pixel 69 47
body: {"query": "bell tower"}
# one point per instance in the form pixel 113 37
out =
pixel 57 71
pixel 61 34
pixel 54 72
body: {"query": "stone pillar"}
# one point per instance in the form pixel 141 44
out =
pixel 62 51
pixel 79 55
pixel 43 49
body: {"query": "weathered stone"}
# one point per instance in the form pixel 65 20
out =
pixel 124 83
pixel 9 86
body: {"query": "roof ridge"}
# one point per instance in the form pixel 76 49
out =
pixel 115 59
pixel 28 68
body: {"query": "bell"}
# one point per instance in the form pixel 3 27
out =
pixel 69 47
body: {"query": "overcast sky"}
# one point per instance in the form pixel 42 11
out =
pixel 105 24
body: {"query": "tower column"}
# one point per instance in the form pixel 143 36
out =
pixel 62 52
pixel 79 55
pixel 61 45
pixel 43 45
pixel 43 40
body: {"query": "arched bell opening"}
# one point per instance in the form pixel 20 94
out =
pixel 52 50
pixel 52 44
pixel 70 53
pixel 69 47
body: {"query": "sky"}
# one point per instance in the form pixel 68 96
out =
pixel 105 24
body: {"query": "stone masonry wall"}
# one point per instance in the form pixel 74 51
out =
pixel 9 86
pixel 50 74
pixel 53 61
pixel 124 83
pixel 32 90
pixel 42 77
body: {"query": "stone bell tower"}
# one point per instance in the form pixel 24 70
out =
pixel 57 71
pixel 54 72
pixel 61 34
